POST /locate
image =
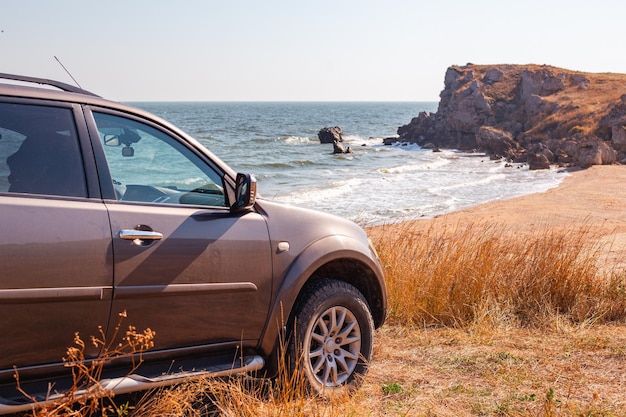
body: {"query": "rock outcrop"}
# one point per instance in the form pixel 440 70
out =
pixel 528 113
pixel 339 148
pixel 330 134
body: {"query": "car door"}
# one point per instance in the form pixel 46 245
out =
pixel 55 242
pixel 185 266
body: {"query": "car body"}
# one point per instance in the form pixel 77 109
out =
pixel 106 209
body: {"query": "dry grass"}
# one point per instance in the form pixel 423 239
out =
pixel 475 273
pixel 488 321
pixel 242 396
pixel 239 396
pixel 483 321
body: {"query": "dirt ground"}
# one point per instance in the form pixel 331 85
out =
pixel 563 371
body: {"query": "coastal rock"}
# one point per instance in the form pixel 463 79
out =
pixel 339 148
pixel 538 161
pixel 330 134
pixel 496 142
pixel 509 110
pixel 592 151
pixel 541 82
pixel 493 75
pixel 536 106
pixel 390 141
pixel 618 137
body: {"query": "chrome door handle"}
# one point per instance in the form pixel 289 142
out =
pixel 132 234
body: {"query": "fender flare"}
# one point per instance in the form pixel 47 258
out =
pixel 302 269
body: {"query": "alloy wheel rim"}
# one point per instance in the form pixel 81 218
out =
pixel 334 345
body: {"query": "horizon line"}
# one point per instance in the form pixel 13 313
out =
pixel 278 101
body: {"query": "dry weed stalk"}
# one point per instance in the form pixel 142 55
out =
pixel 87 396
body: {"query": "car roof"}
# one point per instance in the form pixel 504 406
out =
pixel 35 80
pixel 19 86
pixel 33 87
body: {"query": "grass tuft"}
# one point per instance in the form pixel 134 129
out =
pixel 482 275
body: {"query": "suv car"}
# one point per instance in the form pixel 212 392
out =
pixel 105 208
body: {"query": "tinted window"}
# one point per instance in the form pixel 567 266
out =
pixel 39 151
pixel 148 165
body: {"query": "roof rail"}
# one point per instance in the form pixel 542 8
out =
pixel 53 83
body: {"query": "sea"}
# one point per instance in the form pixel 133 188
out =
pixel 375 184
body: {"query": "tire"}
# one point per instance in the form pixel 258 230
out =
pixel 332 334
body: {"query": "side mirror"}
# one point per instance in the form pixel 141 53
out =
pixel 245 192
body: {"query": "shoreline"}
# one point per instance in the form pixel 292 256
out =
pixel 592 199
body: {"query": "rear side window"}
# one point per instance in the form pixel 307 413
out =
pixel 39 152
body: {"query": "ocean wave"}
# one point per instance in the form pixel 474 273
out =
pixel 296 140
pixel 407 146
pixel 330 190
pixel 422 166
pixel 185 183
pixel 287 164
pixel 467 183
pixel 356 140
pixel 273 165
pixel 260 139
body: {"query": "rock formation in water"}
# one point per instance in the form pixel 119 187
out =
pixel 330 134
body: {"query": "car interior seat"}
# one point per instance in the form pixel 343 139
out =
pixel 47 164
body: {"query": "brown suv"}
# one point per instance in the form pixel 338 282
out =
pixel 105 208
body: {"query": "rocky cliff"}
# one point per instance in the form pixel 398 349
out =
pixel 528 113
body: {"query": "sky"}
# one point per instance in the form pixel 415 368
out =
pixel 290 50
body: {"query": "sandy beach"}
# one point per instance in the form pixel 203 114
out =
pixel 592 199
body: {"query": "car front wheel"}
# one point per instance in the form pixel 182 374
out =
pixel 333 341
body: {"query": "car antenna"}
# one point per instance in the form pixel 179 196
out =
pixel 68 73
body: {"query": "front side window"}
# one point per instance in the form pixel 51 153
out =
pixel 39 151
pixel 147 165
